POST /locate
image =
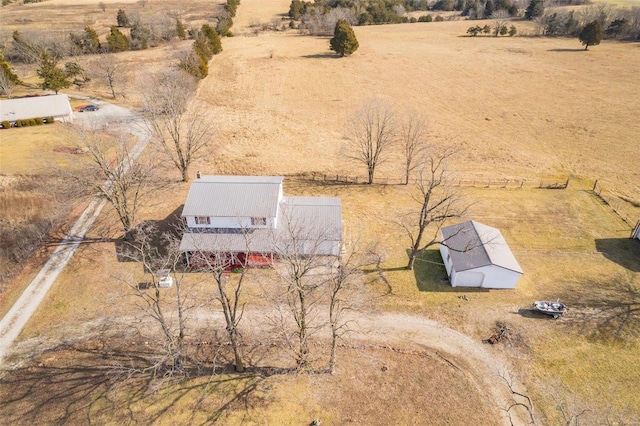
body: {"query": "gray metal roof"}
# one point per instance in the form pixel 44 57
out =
pixel 258 241
pixel 474 245
pixel 35 107
pixel 305 225
pixel 317 216
pixel 233 196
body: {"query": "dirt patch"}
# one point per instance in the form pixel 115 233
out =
pixel 373 385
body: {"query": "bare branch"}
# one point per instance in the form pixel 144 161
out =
pixel 371 131
pixel 179 130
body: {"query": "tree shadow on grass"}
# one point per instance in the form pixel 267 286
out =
pixel 431 275
pixel 330 55
pixel 605 310
pixel 623 251
pixel 86 383
pixel 567 50
pixel 169 225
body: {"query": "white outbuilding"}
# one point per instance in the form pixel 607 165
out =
pixel 56 106
pixel 476 255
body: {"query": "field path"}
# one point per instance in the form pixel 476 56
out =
pixel 481 367
pixel 17 317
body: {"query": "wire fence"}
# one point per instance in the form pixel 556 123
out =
pixel 470 183
pixel 625 207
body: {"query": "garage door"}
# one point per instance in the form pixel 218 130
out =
pixel 469 279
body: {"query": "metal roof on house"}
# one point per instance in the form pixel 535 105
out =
pixel 473 245
pixel 234 196
pixel 317 216
pixel 35 107
pixel 257 241
pixel 305 226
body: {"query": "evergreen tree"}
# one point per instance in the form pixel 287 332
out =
pixel 616 27
pixel 53 78
pixel 91 40
pixel 535 9
pixel 117 41
pixel 122 18
pixel 488 9
pixel 296 9
pixel 223 27
pixel 180 30
pixel 5 68
pixel 202 49
pixel 212 38
pixel 591 34
pixel 344 39
pixel 140 36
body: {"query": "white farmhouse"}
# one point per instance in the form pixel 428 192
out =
pixel 250 220
pixel 476 255
pixel 56 106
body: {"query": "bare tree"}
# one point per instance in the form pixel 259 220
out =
pixel 218 262
pixel 6 84
pixel 413 135
pixel 344 287
pixel 519 400
pixel 122 178
pixel 179 129
pixel 500 19
pixel 301 264
pixel 438 202
pixel 111 72
pixel 371 135
pixel 167 307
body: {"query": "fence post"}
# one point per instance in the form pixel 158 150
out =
pixel 595 185
pixel 566 184
pixel 324 178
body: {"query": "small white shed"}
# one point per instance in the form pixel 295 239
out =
pixel 476 255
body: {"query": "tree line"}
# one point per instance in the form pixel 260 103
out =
pixel 47 51
pixel 319 16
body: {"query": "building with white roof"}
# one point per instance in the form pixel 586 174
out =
pixel 476 255
pixel 56 106
pixel 249 219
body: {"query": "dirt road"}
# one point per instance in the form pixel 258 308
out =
pixel 13 322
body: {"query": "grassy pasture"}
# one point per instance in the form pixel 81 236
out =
pixel 521 108
pixel 554 234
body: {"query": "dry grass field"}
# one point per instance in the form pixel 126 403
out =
pixel 522 108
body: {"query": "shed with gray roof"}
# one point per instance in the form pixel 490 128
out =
pixel 477 255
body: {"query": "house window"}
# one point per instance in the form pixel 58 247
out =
pixel 259 221
pixel 203 220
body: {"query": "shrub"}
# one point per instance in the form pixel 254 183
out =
pixel 413 20
pixel 5 124
pixel 49 120
pixel 439 18
pixel 212 38
pixel 32 122
pixel 39 121
pixel 425 18
pixel 223 26
pixel 18 123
